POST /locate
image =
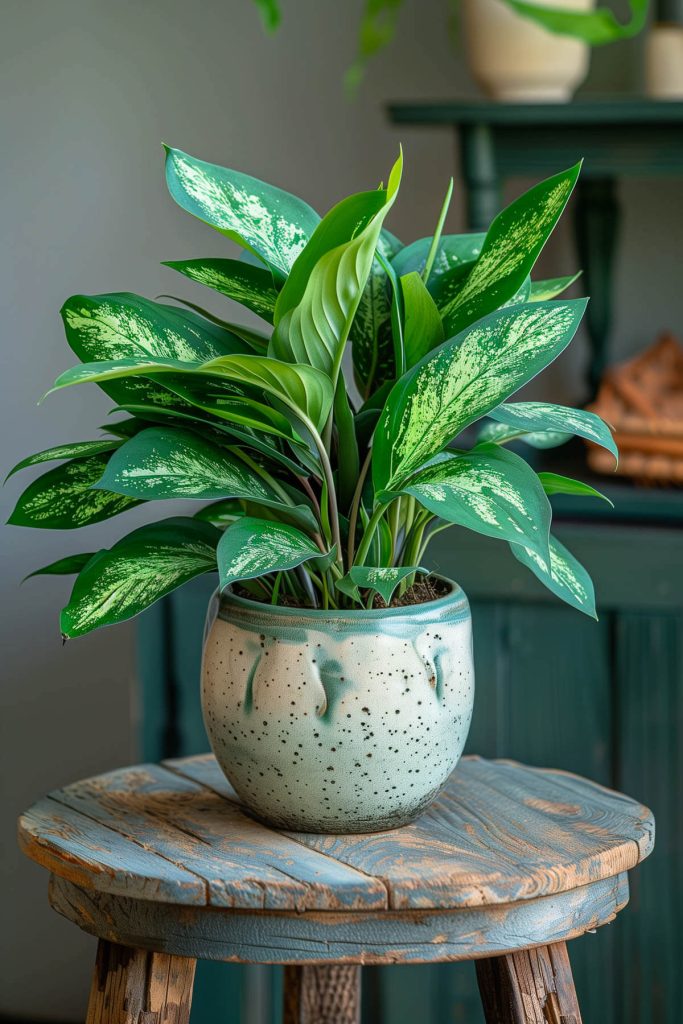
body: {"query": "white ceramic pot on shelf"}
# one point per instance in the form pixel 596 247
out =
pixel 515 60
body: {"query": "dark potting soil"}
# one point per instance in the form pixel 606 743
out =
pixel 425 589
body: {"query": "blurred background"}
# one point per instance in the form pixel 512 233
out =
pixel 89 90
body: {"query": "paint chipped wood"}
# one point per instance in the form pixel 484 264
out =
pixel 533 986
pixel 499 833
pixel 132 986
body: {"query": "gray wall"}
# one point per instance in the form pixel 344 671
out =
pixel 88 90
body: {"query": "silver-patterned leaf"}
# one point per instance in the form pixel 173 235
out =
pixel 254 547
pixel 561 573
pixel 371 336
pixel 265 219
pixel 383 580
pixel 454 252
pixel 544 416
pixel 488 490
pixel 513 243
pixel 141 568
pixel 64 498
pixel 75 450
pixel 251 286
pixel 464 379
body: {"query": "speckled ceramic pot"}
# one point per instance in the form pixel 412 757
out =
pixel 338 721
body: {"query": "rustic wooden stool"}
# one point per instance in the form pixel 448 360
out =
pixel 162 864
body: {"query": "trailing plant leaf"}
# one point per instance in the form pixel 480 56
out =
pixel 593 27
pixel 423 330
pixel 562 574
pixel 501 433
pixel 542 291
pixel 488 490
pixel 382 580
pixel 244 283
pixel 463 380
pixel 554 483
pixel 512 245
pixel 270 222
pixel 64 499
pixel 545 416
pixel 63 566
pixel 75 450
pixel 254 547
pixel 141 568
pixel 315 328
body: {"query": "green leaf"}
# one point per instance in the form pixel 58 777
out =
pixel 376 30
pixel 63 566
pixel 254 547
pixel 249 285
pixel 270 222
pixel 255 340
pixel 545 416
pixel 270 13
pixel 542 291
pixel 501 433
pixel 554 483
pixel 423 329
pixel 562 574
pixel 64 499
pixel 594 27
pixel 75 450
pixel 124 326
pixel 455 252
pixel 488 490
pixel 221 513
pixel 161 463
pixel 382 580
pixel 314 328
pixel 371 335
pixel 464 379
pixel 512 245
pixel 141 568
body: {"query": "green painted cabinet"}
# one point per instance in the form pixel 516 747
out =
pixel 554 688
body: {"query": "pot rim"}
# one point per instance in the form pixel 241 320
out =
pixel 455 598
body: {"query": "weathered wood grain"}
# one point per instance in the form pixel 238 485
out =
pixel 239 861
pixel 322 995
pixel 533 986
pixel 499 832
pixel 356 937
pixel 132 986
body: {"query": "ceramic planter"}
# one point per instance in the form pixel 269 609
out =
pixel 516 60
pixel 345 721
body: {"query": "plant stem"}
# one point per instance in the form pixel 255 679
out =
pixel 355 505
pixel 369 533
pixel 263 473
pixel 331 493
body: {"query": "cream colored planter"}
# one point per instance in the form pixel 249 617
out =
pixel 513 59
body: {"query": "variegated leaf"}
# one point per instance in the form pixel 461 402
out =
pixel 371 336
pixel 464 379
pixel 555 483
pixel 545 416
pixel 141 568
pixel 423 329
pixel 489 490
pixel 316 328
pixel 64 498
pixel 455 252
pixel 382 580
pixel 251 286
pixel 267 220
pixel 501 433
pixel 63 566
pixel 561 573
pixel 161 463
pixel 512 245
pixel 542 291
pixel 76 450
pixel 254 547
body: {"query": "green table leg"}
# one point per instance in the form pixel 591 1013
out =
pixel 482 184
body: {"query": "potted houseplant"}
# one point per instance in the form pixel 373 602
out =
pixel 337 677
pixel 517 50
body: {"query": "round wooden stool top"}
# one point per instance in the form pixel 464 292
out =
pixel 163 857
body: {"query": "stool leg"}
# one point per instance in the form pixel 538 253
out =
pixel 329 994
pixel 134 986
pixel 533 986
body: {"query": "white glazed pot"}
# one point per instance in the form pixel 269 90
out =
pixel 338 721
pixel 514 59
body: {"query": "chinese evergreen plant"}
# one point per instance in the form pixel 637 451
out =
pixel 324 482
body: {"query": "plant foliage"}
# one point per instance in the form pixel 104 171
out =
pixel 319 480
